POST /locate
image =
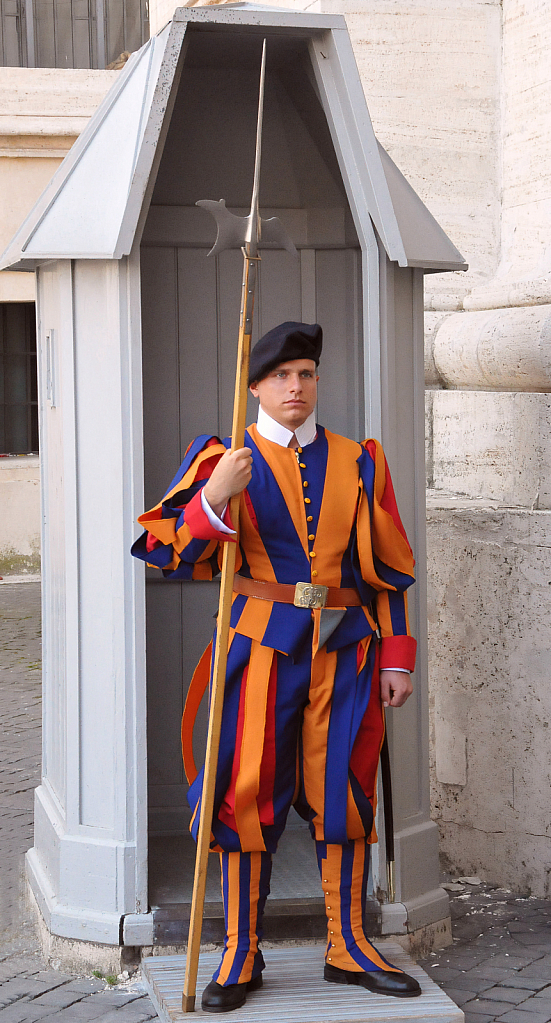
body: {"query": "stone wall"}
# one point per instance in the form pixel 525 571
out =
pixel 489 510
pixel 489 610
pixel 20 519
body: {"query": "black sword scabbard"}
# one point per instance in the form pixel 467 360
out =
pixel 386 780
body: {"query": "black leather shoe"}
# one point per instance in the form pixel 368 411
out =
pixel 381 982
pixel 223 999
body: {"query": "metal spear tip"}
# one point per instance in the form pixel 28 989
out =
pixel 249 232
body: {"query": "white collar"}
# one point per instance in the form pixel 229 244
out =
pixel 271 430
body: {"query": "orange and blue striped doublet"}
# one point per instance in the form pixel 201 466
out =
pixel 302 722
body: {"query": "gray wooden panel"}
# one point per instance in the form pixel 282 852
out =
pixel 180 622
pixel 279 291
pixel 161 370
pixel 83 26
pixel 410 795
pixel 180 401
pixel 230 269
pixel 162 452
pixel 135 24
pixel 401 359
pixel 164 683
pixel 70 33
pixel 63 18
pixel 115 11
pixel 54 285
pixel 126 26
pixel 10 34
pixel 45 32
pixel 197 334
pixel 338 304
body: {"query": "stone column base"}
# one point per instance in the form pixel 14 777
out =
pixel 69 955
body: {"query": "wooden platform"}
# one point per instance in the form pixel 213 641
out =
pixel 294 991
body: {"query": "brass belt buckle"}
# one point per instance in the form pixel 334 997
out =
pixel 310 595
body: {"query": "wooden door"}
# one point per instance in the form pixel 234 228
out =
pixel 190 320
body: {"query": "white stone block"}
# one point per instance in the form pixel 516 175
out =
pixel 492 446
pixel 20 519
pixel 490 651
pixel 451 752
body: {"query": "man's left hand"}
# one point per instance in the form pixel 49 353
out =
pixel 395 687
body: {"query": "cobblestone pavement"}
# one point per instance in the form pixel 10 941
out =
pixel 20 721
pixel 498 968
pixel 28 989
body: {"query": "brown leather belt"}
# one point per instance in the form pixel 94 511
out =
pixel 301 595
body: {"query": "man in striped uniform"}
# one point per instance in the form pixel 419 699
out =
pixel 323 561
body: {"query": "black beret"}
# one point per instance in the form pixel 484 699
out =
pixel 288 341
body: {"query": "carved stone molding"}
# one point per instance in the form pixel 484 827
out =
pixel 506 349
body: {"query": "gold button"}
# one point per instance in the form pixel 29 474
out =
pixel 330 918
pixel 302 465
pixel 329 907
pixel 307 500
pixel 309 518
pixel 305 484
pixel 332 944
pixel 328 959
pixel 314 572
pixel 325 881
pixel 311 536
pixel 312 554
pixel 331 932
pixel 299 450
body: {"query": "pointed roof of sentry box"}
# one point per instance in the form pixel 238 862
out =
pixel 91 207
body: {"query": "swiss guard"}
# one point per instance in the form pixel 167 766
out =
pixel 319 644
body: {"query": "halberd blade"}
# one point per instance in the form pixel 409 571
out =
pixel 232 231
pixel 273 232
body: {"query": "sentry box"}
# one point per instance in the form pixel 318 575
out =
pixel 137 340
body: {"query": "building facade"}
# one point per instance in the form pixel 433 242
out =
pixel 459 96
pixel 53 58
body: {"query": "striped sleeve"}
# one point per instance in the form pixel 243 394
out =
pixel 388 565
pixel 173 540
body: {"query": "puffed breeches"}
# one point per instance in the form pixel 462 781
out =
pixel 306 732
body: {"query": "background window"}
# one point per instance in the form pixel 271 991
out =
pixel 18 388
pixel 70 33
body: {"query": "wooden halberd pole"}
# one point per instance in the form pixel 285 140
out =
pixel 250 260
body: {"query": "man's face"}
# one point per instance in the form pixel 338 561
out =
pixel 289 393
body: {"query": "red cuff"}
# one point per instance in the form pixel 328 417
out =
pixel 199 525
pixel 398 652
